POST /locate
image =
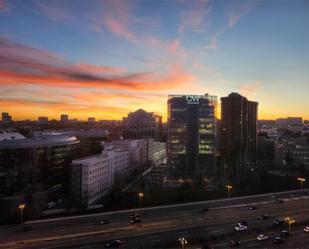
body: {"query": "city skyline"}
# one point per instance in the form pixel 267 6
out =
pixel 108 58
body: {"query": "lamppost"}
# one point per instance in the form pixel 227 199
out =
pixel 290 221
pixel 183 242
pixel 21 208
pixel 140 195
pixel 301 180
pixel 229 187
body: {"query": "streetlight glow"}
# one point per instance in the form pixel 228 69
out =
pixel 21 208
pixel 290 221
pixel 183 242
pixel 301 180
pixel 141 195
pixel 229 187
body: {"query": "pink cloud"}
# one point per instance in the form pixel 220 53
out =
pixel 240 10
pixel 4 6
pixel 250 88
pixel 22 64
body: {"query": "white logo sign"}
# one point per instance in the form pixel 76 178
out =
pixel 192 99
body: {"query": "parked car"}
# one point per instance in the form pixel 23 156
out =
pixel 252 208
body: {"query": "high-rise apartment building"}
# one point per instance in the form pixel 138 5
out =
pixel 141 124
pixel 238 134
pixel 191 139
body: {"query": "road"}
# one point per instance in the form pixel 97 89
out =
pixel 161 226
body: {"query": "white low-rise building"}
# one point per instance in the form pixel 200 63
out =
pixel 94 176
pixel 91 179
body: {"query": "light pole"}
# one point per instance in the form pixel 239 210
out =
pixel 140 195
pixel 290 221
pixel 301 180
pixel 229 187
pixel 21 208
pixel 183 242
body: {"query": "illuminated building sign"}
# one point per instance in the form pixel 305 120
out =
pixel 193 99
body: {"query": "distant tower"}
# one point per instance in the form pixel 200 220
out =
pixel 64 118
pixel 43 120
pixel 141 124
pixel 6 118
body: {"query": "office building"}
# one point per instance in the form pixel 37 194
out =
pixel 37 162
pixel 238 135
pixel 91 179
pixel 141 125
pixel 191 139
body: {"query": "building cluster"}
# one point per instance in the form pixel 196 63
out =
pixel 287 142
pixel 194 147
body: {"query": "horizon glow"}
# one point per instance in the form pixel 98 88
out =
pixel 105 59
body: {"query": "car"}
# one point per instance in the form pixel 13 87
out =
pixel 204 210
pixel 252 208
pixel 234 243
pixel 279 222
pixel 278 201
pixel 240 228
pixel 136 220
pixel 114 243
pixel 306 229
pixel 262 237
pixel 242 223
pixel 263 217
pixel 285 234
pixel 274 196
pixel 133 216
pixel 104 222
pixel 278 240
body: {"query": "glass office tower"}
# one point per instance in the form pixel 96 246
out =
pixel 191 139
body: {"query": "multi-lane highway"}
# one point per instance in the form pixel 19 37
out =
pixel 161 226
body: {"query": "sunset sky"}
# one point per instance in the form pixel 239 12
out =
pixel 107 58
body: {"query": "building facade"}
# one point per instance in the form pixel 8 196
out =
pixel 238 141
pixel 91 179
pixel 37 162
pixel 142 125
pixel 191 139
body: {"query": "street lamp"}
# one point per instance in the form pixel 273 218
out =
pixel 140 195
pixel 21 208
pixel 183 242
pixel 229 187
pixel 301 180
pixel 290 221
